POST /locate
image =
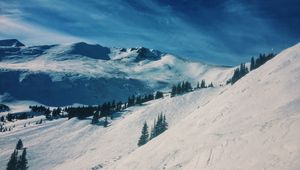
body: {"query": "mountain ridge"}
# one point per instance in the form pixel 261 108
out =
pixel 137 70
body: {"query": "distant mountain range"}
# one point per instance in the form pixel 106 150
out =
pixel 64 74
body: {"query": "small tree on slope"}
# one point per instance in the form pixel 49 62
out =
pixel 145 135
pixel 22 162
pixel 13 161
pixel 19 145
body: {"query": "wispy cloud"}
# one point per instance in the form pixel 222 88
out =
pixel 31 34
pixel 215 31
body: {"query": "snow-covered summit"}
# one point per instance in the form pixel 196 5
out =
pixel 89 50
pixel 101 71
pixel 11 43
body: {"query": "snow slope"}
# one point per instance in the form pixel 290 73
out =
pixel 74 144
pixel 252 125
pixel 92 74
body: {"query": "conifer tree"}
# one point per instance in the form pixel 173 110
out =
pixel 239 73
pixel 183 87
pixel 13 161
pixel 145 135
pixel 150 97
pixel 158 95
pixel 47 113
pixel 178 88
pixel 203 85
pixel 174 91
pixel 119 106
pixel 138 100
pixel 158 125
pixel 153 130
pixel 187 87
pixel 19 145
pixel 164 124
pixel 198 85
pixel 22 162
pixel 252 64
pixel 2 119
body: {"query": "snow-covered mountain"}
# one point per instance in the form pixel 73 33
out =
pixel 90 74
pixel 253 124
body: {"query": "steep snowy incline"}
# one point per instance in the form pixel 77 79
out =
pixel 252 125
pixel 76 144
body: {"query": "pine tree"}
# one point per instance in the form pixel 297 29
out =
pixel 153 130
pixel 19 145
pixel 187 87
pixel 174 91
pixel 164 124
pixel 119 106
pixel 236 75
pixel 13 161
pixel 183 87
pixel 203 85
pixel 178 88
pixel 145 135
pixel 47 113
pixel 158 125
pixel 252 65
pixel 138 100
pixel 150 97
pixel 159 95
pixel 198 85
pixel 22 162
pixel 2 119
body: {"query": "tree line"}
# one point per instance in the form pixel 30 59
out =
pixel 242 70
pixel 185 87
pixel 106 109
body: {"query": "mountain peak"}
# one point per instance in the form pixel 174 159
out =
pixel 146 53
pixel 95 51
pixel 11 43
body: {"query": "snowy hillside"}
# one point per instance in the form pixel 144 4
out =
pixel 76 144
pixel 89 74
pixel 252 125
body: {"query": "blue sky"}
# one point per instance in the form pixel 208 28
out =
pixel 221 32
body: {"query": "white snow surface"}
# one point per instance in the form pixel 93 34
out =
pixel 76 144
pixel 122 64
pixel 254 124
